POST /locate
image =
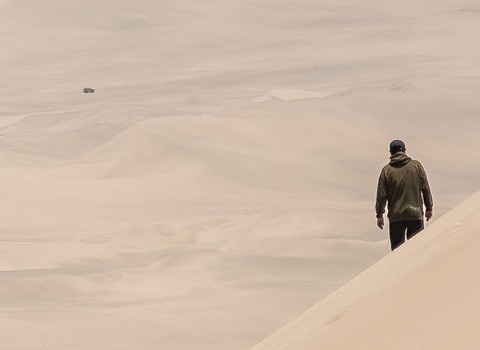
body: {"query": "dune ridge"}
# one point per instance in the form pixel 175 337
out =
pixel 423 295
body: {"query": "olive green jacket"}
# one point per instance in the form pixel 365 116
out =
pixel 401 184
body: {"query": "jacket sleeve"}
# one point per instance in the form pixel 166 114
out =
pixel 382 194
pixel 426 192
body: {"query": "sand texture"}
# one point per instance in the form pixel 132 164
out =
pixel 221 178
pixel 422 296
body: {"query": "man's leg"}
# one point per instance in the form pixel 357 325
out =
pixel 414 227
pixel 397 233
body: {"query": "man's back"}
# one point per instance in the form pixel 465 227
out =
pixel 402 184
pixel 404 180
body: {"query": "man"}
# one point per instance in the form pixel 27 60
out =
pixel 402 184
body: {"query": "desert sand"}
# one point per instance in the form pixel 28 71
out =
pixel 221 179
pixel 422 296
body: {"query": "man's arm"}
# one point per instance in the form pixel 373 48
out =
pixel 380 222
pixel 429 214
pixel 427 194
pixel 382 196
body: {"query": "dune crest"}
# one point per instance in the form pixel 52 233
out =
pixel 421 296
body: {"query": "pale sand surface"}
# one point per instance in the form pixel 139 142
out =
pixel 221 179
pixel 422 296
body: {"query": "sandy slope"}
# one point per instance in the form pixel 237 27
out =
pixel 422 296
pixel 221 178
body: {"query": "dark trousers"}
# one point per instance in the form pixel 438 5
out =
pixel 399 228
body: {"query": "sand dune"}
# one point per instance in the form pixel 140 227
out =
pixel 220 180
pixel 424 295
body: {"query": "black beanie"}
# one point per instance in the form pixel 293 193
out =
pixel 397 146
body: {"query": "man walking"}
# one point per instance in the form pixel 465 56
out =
pixel 402 184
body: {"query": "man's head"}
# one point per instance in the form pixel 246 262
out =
pixel 397 146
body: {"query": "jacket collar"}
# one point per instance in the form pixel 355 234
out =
pixel 399 159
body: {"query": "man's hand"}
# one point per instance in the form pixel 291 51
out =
pixel 380 223
pixel 429 214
